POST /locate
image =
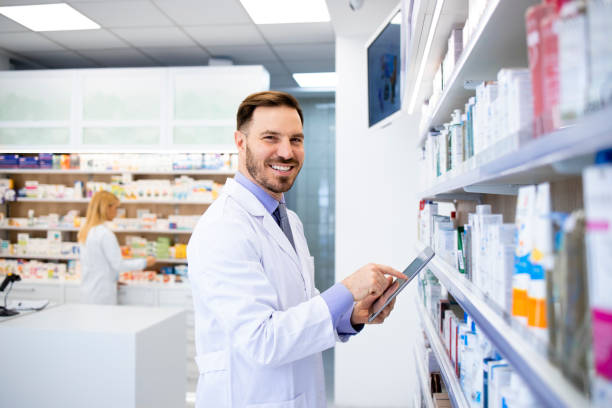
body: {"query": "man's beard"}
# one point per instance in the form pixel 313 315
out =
pixel 283 184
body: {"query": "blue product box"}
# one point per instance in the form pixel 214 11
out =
pixel 45 160
pixel 28 162
pixel 167 270
pixel 9 161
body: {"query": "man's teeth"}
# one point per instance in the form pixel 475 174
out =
pixel 281 168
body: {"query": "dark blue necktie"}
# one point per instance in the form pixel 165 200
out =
pixel 280 214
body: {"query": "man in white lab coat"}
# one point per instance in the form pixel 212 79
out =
pixel 261 325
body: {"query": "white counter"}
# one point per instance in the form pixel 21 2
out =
pixel 76 355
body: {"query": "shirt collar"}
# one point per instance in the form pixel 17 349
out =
pixel 269 202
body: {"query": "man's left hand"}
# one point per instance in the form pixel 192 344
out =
pixel 363 309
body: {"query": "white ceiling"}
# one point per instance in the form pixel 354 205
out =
pixel 170 33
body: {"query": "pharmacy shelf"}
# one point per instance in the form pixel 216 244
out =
pixel 86 200
pixel 423 375
pixel 428 42
pixel 177 261
pixel 447 369
pixel 50 200
pixel 511 162
pixel 152 231
pixel 45 257
pixel 184 285
pixel 62 229
pixel 118 231
pixel 202 172
pixel 545 380
pixel 498 42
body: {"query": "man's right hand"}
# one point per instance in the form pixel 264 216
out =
pixel 370 280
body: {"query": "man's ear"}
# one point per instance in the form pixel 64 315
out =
pixel 240 140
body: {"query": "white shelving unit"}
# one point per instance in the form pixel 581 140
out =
pixel 423 380
pixel 43 257
pixel 177 261
pixel 202 172
pixel 86 200
pixel 424 53
pixel 530 361
pixel 550 157
pixel 446 367
pixel 498 42
pixel 115 230
pixel 51 200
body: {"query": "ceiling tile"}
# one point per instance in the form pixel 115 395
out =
pixel 155 37
pixel 86 39
pixel 301 52
pixel 121 57
pixel 199 12
pixel 303 33
pixel 234 34
pixel 123 13
pixel 252 54
pixel 18 42
pixel 178 56
pixel 311 66
pixel 60 59
pixel 8 25
pixel 282 81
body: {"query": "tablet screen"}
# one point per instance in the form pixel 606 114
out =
pixel 399 284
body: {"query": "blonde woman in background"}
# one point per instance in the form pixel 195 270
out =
pixel 101 259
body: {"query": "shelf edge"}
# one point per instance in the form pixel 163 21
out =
pixel 545 380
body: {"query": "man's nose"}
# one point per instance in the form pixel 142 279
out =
pixel 285 150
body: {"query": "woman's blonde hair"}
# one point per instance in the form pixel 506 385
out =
pixel 97 212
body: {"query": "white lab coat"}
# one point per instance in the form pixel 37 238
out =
pixel 101 263
pixel 260 324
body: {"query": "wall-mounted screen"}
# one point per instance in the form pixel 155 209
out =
pixel 384 71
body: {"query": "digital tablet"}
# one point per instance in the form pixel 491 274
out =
pixel 399 284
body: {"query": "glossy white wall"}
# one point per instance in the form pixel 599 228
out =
pixel 375 222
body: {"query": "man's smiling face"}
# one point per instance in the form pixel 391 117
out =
pixel 272 148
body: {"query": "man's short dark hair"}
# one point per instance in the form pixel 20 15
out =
pixel 266 98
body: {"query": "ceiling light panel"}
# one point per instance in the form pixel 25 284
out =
pixel 286 11
pixel 316 79
pixel 49 17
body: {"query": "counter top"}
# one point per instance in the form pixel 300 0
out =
pixel 92 318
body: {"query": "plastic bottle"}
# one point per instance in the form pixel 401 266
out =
pixel 456 140
pixel 525 209
pixel 542 262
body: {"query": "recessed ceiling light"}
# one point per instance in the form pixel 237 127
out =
pixel 49 17
pixel 317 80
pixel 286 11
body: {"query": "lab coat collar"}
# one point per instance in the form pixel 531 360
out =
pixel 250 203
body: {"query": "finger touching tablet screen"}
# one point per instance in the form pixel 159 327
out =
pixel 399 284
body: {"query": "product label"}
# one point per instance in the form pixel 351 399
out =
pixel 602 342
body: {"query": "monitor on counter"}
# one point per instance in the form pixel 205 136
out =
pixel 384 69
